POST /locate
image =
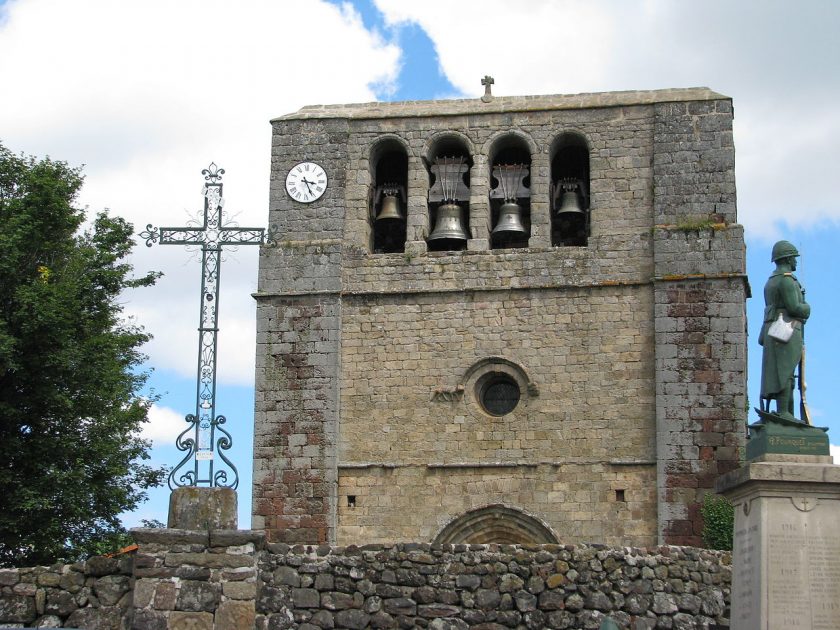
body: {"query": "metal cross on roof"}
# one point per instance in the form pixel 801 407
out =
pixel 205 434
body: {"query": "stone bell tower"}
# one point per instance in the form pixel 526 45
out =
pixel 515 319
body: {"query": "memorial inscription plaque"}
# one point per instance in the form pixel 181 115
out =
pixel 786 561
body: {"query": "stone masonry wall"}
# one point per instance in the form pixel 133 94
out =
pixel 363 359
pixel 589 404
pixel 297 404
pixel 195 580
pixel 95 594
pixel 492 587
pixel 578 501
pixel 700 294
pixel 232 580
pixel 701 367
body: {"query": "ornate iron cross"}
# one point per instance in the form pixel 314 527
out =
pixel 205 434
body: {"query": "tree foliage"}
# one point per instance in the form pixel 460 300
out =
pixel 718 522
pixel 70 410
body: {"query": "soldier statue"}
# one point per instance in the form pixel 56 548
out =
pixel 785 313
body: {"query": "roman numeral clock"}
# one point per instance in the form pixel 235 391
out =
pixel 306 182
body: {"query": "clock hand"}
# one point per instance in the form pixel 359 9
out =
pixel 307 182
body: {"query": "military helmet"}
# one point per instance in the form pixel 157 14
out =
pixel 783 249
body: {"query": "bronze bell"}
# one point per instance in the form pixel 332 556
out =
pixel 390 209
pixel 569 203
pixel 449 223
pixel 510 219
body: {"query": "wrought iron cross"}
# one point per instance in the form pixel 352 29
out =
pixel 200 439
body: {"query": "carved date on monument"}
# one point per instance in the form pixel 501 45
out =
pixel 803 574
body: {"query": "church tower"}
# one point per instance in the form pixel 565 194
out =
pixel 507 319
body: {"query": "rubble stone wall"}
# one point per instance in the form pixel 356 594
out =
pixel 492 587
pixel 95 594
pixel 232 580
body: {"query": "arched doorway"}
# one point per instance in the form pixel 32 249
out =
pixel 496 524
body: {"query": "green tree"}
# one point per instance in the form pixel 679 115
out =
pixel 70 410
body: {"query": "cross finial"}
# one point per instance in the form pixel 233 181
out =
pixel 487 81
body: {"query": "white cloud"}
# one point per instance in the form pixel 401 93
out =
pixel 538 47
pixel 163 426
pixel 835 452
pixel 146 95
pixel 777 60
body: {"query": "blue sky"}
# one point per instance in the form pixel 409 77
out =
pixel 146 95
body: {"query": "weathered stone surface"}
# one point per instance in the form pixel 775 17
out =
pixel 208 560
pixel 353 619
pixel 431 611
pixel 17 609
pixel 486 598
pixel 48 621
pixel 281 620
pixel 99 566
pixel 108 618
pixel 399 606
pixel 9 577
pixel 239 590
pixel 337 601
pixel 48 578
pixel 382 620
pixel 306 598
pixel 286 575
pixel 190 621
pixel 235 615
pixel 448 624
pixel 198 596
pixel 197 508
pixel 146 620
pixel 664 603
pixel 525 601
pixel 110 588
pixel 166 596
pixel 468 581
pixel 323 619
pixel 72 581
pixel 552 600
pixel 60 603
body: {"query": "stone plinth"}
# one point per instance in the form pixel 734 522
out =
pixel 193 508
pixel 786 557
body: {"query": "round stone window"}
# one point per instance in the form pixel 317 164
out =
pixel 498 394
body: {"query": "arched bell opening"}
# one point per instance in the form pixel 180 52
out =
pixel 570 191
pixel 495 524
pixel 510 193
pixel 449 195
pixel 389 182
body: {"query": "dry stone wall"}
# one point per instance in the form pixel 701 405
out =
pixel 492 587
pixel 95 594
pixel 232 580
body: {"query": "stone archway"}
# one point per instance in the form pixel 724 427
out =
pixel 496 524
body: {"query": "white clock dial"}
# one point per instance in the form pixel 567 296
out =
pixel 306 182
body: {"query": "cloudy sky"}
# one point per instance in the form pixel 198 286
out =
pixel 147 94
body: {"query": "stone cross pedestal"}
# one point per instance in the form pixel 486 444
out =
pixel 197 508
pixel 786 556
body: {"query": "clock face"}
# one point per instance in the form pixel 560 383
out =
pixel 306 182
